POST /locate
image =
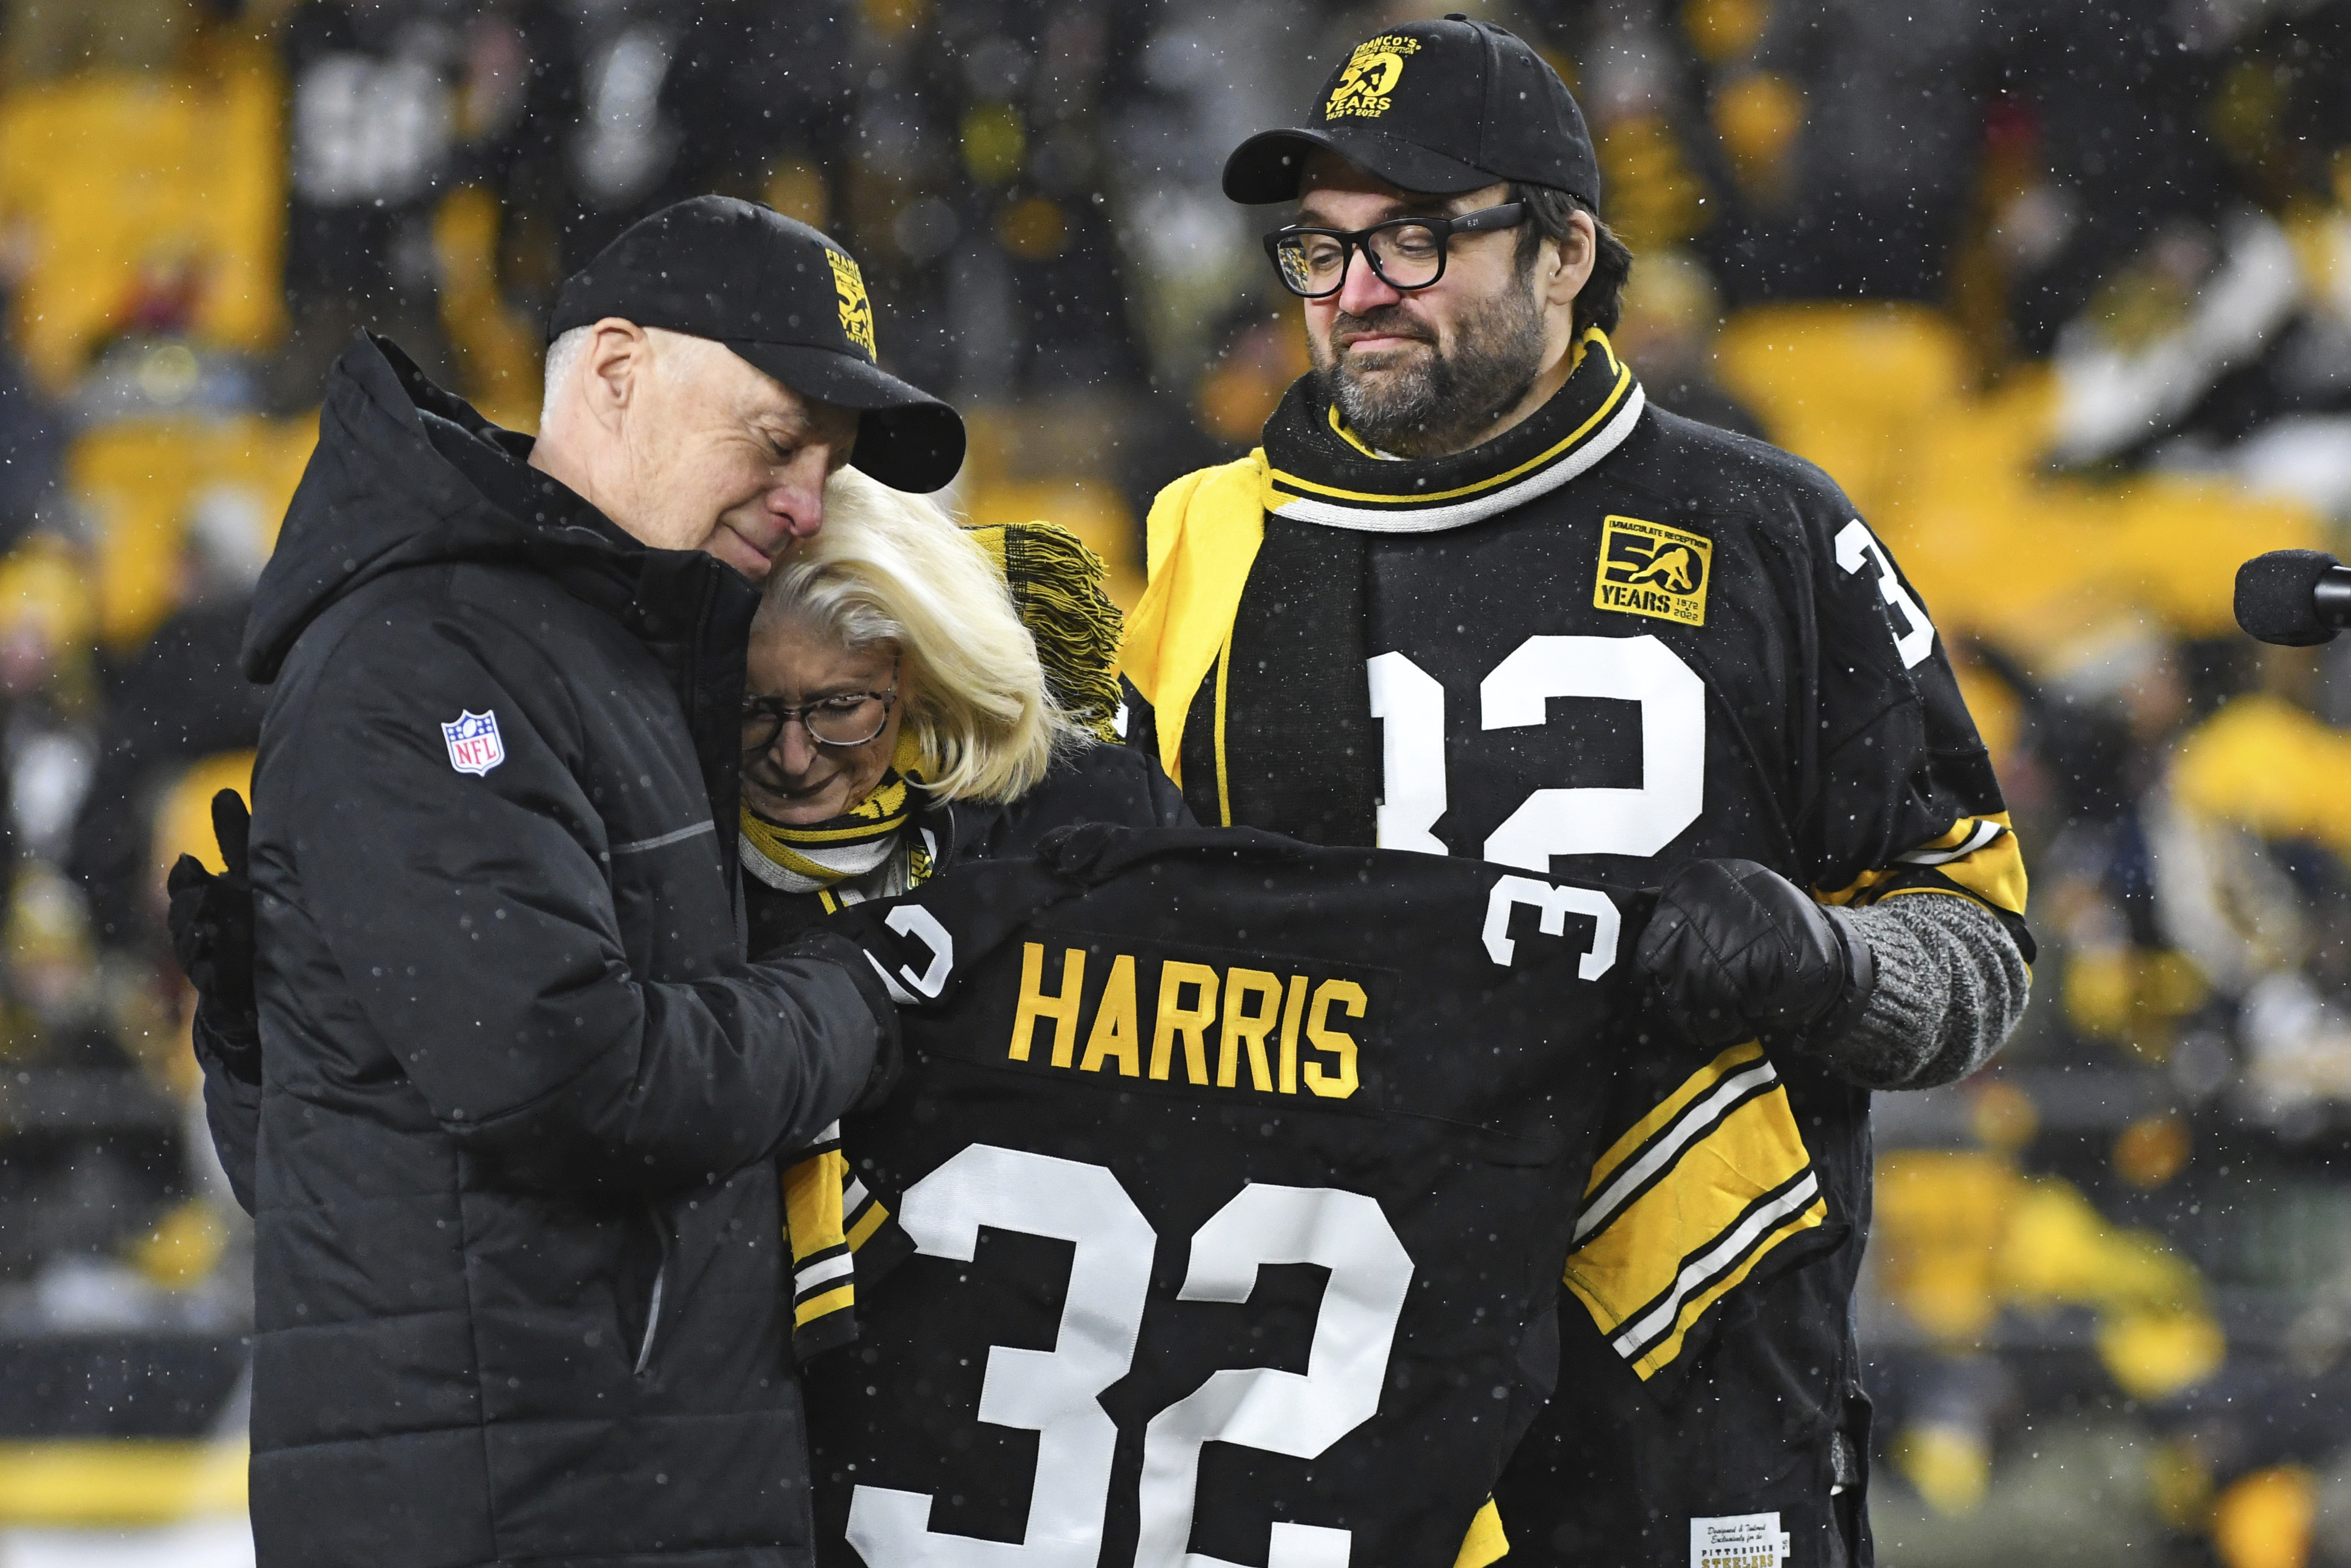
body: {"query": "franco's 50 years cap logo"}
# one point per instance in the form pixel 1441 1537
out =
pixel 1648 569
pixel 856 310
pixel 1368 85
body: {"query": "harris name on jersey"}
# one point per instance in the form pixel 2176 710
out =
pixel 1214 1018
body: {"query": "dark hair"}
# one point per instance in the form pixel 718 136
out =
pixel 1601 299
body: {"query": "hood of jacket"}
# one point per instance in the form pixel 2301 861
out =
pixel 406 475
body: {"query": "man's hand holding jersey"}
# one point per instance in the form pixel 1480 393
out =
pixel 1736 952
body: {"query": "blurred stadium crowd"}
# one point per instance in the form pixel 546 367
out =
pixel 2061 293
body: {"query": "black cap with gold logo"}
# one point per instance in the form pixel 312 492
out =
pixel 784 298
pixel 1434 106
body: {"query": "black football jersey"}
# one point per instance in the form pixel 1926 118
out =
pixel 1606 642
pixel 1238 1179
pixel 1693 647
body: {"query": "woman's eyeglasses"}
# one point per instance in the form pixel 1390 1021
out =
pixel 1406 252
pixel 845 719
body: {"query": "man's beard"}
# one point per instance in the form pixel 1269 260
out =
pixel 1439 401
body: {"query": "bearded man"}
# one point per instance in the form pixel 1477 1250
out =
pixel 1475 596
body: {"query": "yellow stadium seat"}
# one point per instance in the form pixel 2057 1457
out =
pixel 1951 1465
pixel 2271 767
pixel 121 1481
pixel 1877 395
pixel 2263 1520
pixel 121 182
pixel 2176 543
pixel 139 481
pixel 498 354
pixel 1960 1236
pixel 45 584
pixel 185 1247
pixel 183 817
pixel 1850 387
pixel 1939 1220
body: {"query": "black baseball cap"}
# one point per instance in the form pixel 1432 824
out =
pixel 784 298
pixel 1434 106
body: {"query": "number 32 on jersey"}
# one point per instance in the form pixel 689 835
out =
pixel 1056 1392
pixel 1409 703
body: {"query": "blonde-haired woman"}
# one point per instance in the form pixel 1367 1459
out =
pixel 920 695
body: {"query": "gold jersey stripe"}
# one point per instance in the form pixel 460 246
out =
pixel 1485 1543
pixel 1703 1117
pixel 863 1231
pixel 1989 867
pixel 1662 1354
pixel 1659 1319
pixel 1224 782
pixel 1642 1131
pixel 1669 1240
pixel 812 1215
pixel 842 1295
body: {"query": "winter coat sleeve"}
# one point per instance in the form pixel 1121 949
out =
pixel 474 920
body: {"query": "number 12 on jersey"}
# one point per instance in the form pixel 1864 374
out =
pixel 1057 1393
pixel 1641 821
pixel 1410 705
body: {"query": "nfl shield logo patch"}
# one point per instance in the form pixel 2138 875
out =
pixel 473 744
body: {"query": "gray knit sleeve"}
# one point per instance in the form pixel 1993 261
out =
pixel 1950 986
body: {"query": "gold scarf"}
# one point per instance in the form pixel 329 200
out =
pixel 810 858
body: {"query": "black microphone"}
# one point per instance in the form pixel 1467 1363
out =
pixel 2295 598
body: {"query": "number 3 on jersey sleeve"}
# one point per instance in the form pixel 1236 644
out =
pixel 1056 1392
pixel 1857 547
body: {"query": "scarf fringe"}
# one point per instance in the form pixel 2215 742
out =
pixel 1058 592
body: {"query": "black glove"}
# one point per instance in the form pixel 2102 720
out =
pixel 212 935
pixel 1735 951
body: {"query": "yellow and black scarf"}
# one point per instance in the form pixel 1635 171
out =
pixel 1283 735
pixel 813 858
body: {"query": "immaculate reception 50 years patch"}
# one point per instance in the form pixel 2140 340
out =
pixel 1648 569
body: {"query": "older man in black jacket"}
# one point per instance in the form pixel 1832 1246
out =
pixel 509 1129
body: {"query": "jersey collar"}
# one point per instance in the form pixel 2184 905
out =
pixel 1318 472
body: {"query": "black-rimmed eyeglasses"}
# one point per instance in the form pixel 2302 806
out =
pixel 1406 252
pixel 843 719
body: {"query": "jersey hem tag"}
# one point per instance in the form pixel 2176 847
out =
pixel 1739 1540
